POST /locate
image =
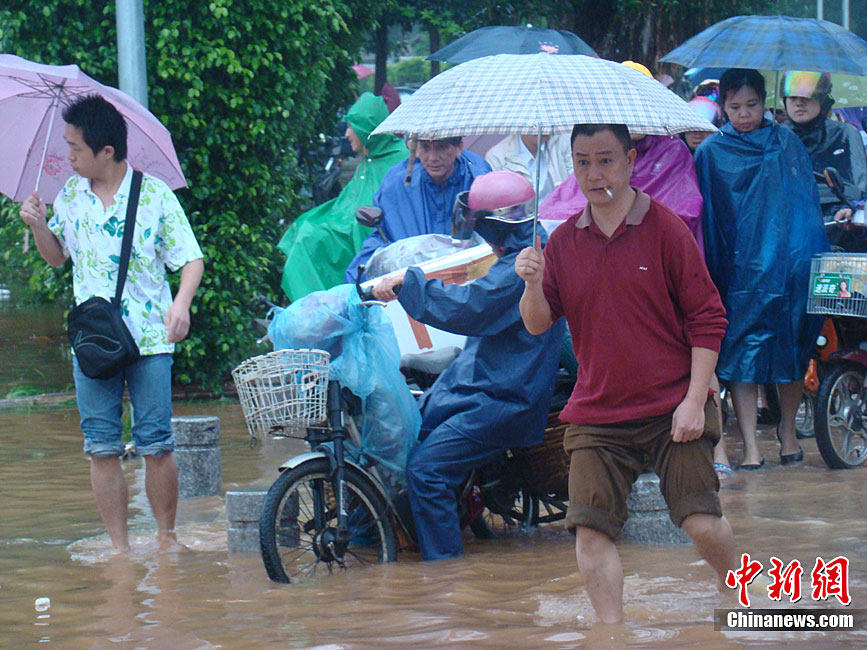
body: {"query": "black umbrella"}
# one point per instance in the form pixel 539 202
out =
pixel 488 41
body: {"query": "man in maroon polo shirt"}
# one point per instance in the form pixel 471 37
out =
pixel 647 323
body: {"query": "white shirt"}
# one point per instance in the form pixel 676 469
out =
pixel 556 157
pixel 92 235
pixel 546 186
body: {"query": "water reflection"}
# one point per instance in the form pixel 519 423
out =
pixel 34 349
pixel 518 592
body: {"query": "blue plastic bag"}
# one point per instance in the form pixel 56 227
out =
pixel 365 359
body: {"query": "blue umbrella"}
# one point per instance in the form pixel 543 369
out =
pixel 774 43
pixel 697 75
pixel 488 41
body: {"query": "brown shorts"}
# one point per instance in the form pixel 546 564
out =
pixel 606 460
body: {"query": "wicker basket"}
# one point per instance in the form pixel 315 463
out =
pixel 545 467
pixel 828 272
pixel 283 391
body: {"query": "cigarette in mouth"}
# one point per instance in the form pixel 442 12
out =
pixel 609 193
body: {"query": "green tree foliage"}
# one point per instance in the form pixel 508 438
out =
pixel 239 84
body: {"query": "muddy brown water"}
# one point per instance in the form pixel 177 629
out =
pixel 34 352
pixel 519 592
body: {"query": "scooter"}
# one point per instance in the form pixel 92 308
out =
pixel 838 285
pixel 322 163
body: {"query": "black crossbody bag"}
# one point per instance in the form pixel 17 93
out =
pixel 99 337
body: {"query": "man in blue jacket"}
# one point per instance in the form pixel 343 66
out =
pixel 425 206
pixel 496 394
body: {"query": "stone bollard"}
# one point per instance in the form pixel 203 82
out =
pixel 648 521
pixel 243 509
pixel 197 453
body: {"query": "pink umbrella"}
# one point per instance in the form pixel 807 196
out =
pixel 362 70
pixel 32 97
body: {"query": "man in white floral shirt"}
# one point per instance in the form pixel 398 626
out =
pixel 88 225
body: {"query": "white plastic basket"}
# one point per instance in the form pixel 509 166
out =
pixel 828 293
pixel 283 390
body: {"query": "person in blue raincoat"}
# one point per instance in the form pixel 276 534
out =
pixel 425 206
pixel 762 225
pixel 496 394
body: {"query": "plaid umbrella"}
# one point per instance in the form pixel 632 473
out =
pixel 774 43
pixel 498 39
pixel 539 93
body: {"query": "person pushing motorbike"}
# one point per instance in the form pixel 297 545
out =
pixel 496 394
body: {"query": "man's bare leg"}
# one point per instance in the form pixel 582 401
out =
pixel 109 489
pixel 161 485
pixel 600 568
pixel 714 541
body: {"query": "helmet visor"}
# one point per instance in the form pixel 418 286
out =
pixel 512 214
pixel 463 218
pixel 801 83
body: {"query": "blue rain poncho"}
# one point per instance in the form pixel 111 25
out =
pixel 762 225
pixel 365 359
pixel 498 390
pixel 423 208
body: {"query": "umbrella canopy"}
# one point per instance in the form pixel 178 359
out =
pixel 32 97
pixel 543 94
pixel 362 70
pixel 488 41
pixel 774 43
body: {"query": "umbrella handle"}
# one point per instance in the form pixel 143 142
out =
pixel 413 143
pixel 538 173
pixel 26 246
pixel 47 138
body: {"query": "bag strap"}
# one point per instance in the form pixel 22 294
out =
pixel 128 229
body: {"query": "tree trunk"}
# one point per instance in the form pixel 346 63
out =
pixel 381 57
pixel 434 33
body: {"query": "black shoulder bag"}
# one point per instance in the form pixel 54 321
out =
pixel 99 337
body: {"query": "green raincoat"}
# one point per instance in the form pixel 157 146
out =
pixel 322 242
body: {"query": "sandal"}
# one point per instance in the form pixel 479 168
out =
pixel 722 470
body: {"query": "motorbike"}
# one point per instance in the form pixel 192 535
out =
pixel 323 163
pixel 838 289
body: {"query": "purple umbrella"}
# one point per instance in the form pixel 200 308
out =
pixel 32 97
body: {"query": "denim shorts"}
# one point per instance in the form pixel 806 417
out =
pixel 100 405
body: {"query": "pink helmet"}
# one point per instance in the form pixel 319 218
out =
pixel 500 196
pixel 496 191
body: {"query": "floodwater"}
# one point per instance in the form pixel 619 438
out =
pixel 518 592
pixel 34 352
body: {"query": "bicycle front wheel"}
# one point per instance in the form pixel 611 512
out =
pixel 298 531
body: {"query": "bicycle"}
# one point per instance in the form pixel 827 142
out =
pixel 337 505
pixel 330 506
pixel 324 507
